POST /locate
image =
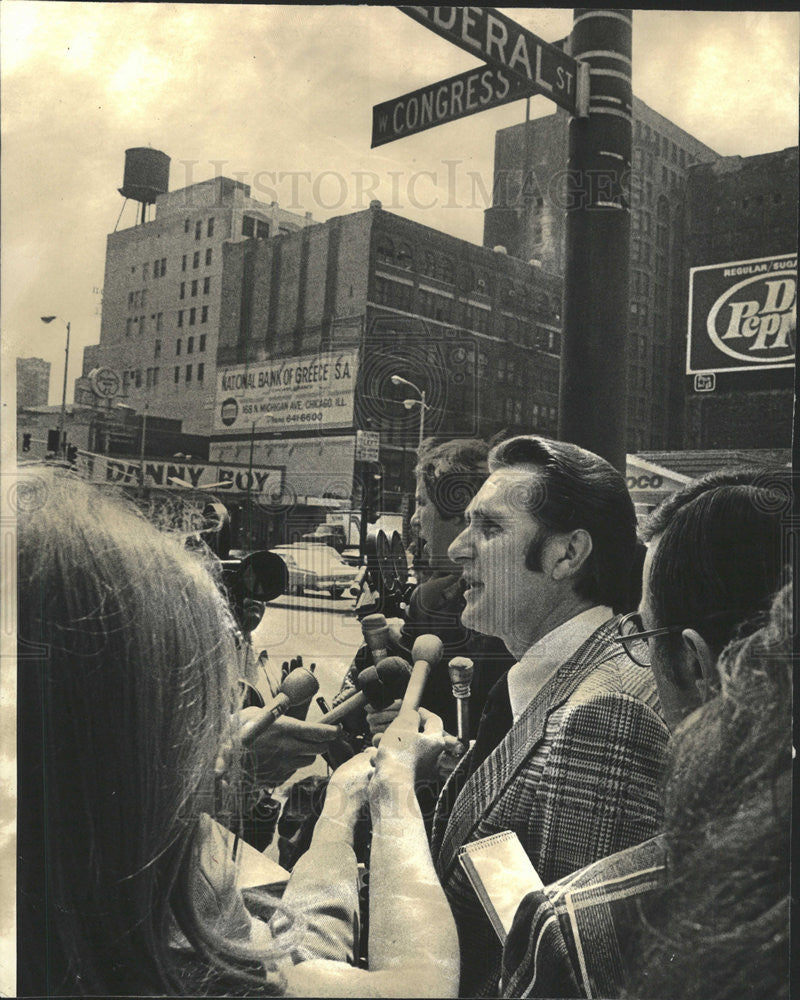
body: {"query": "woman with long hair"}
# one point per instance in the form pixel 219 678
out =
pixel 127 689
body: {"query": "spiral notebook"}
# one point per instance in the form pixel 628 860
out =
pixel 501 874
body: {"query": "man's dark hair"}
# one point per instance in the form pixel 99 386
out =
pixel 578 489
pixel 452 472
pixel 719 561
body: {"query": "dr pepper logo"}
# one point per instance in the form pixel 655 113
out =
pixel 743 315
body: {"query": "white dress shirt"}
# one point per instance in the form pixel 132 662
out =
pixel 540 662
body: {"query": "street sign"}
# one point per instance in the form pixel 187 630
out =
pixel 105 382
pixel 445 101
pixel 501 42
pixel 367 446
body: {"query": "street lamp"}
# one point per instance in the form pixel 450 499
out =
pixel 408 403
pixel 62 444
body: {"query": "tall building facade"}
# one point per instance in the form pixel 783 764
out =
pixel 33 382
pixel 528 217
pixel 477 330
pixel 162 295
pixel 741 209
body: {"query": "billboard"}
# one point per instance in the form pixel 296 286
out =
pixel 311 392
pixel 742 315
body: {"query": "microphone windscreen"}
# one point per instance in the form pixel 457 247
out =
pixel 299 686
pixel 394 671
pixel 428 648
pixel 460 669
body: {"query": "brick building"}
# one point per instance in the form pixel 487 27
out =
pixel 161 295
pixel 528 217
pixel 33 382
pixel 477 330
pixel 739 209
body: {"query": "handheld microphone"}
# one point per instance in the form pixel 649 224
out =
pixel 298 687
pixel 426 653
pixel 376 636
pixel 379 685
pixel 460 669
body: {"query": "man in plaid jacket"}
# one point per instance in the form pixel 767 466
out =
pixel 547 556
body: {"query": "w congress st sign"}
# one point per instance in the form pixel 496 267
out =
pixel 743 315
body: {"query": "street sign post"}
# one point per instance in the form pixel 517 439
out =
pixel 506 45
pixel 445 101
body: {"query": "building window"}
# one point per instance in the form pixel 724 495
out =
pixel 188 373
pixel 198 229
pixel 248 225
pixel 156 372
pixel 145 270
pixel 404 256
pixel 182 293
pixel 159 322
pixel 194 288
pixel 138 378
pixel 209 254
pixel 186 225
pixel 180 317
pixel 206 286
pixel 204 315
pixel 385 251
pixel 178 346
pixel 190 345
pixel 202 345
pixel 262 230
pixel 128 323
pixel 201 370
pixel 183 263
pixel 196 259
pixel 177 374
pixel 192 316
pixel 210 227
pixel 157 349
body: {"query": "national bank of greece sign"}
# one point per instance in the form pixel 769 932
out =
pixel 312 392
pixel 742 315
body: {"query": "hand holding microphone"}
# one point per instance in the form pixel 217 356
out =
pixel 298 686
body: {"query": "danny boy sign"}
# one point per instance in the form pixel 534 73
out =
pixel 261 481
pixel 742 315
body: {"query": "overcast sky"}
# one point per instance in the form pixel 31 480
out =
pixel 250 91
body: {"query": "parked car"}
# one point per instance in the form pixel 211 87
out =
pixel 315 567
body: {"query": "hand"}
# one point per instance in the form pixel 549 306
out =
pixel 453 752
pixel 287 745
pixel 413 741
pixel 346 794
pixel 379 720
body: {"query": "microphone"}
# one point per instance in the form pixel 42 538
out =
pixel 426 653
pixel 460 670
pixel 379 685
pixel 376 636
pixel 298 687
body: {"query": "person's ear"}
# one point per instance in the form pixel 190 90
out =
pixel 701 664
pixel 569 553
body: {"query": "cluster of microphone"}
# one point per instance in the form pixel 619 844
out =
pixel 386 680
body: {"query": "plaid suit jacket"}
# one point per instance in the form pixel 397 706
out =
pixel 577 777
pixel 573 938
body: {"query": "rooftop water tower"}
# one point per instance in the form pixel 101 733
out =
pixel 146 176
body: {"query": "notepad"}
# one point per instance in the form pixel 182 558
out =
pixel 501 874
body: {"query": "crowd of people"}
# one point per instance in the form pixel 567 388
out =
pixel 630 723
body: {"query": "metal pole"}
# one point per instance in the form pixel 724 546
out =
pixel 62 444
pixel 593 366
pixel 422 418
pixel 142 443
pixel 249 481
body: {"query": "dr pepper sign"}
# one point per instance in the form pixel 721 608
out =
pixel 742 315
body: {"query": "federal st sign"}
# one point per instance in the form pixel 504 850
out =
pixel 525 58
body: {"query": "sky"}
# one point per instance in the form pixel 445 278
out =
pixel 280 97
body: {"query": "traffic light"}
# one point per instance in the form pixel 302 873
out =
pixel 72 453
pixel 53 444
pixel 26 442
pixel 374 504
